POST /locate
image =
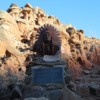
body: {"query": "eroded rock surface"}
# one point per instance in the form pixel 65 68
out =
pixel 19 26
pixel 18 29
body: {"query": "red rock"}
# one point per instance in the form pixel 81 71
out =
pixel 75 47
pixel 94 56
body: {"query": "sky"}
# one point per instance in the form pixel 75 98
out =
pixel 82 14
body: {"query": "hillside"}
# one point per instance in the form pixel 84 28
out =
pixel 18 29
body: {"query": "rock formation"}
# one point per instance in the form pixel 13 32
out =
pixel 19 27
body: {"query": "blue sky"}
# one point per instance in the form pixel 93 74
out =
pixel 83 14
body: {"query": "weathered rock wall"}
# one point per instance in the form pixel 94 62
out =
pixel 19 26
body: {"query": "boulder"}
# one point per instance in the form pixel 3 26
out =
pixel 28 5
pixel 94 55
pixel 54 94
pixel 69 95
pixel 9 34
pixel 94 89
pixel 83 90
pixel 9 24
pixel 32 91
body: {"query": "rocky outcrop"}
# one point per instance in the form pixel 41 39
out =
pixel 18 29
pixel 11 55
pixel 94 54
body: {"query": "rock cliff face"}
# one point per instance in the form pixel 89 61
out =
pixel 18 29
